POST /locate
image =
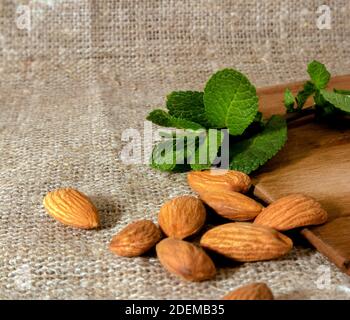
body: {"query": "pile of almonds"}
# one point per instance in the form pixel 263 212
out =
pixel 255 234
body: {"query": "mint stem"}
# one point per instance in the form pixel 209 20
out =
pixel 298 115
pixel 291 117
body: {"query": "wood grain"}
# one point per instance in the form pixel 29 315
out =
pixel 315 161
pixel 332 239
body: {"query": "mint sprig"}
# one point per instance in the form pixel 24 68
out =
pixel 289 100
pixel 308 90
pixel 319 74
pixel 187 105
pixel 338 100
pixel 326 103
pixel 229 101
pixel 208 149
pixel 250 154
pixel 163 119
pixel 342 91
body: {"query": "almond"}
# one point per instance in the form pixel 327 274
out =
pixel 182 216
pixel 244 241
pixel 185 260
pixel 292 211
pixel 72 208
pixel 232 205
pixel 253 291
pixel 135 239
pixel 218 180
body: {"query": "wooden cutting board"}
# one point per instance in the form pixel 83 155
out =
pixel 315 161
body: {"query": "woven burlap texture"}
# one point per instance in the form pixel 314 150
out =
pixel 86 71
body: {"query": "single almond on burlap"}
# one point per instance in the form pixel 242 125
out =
pixel 218 180
pixel 292 211
pixel 232 205
pixel 253 291
pixel 245 242
pixel 185 260
pixel 182 217
pixel 72 208
pixel 135 239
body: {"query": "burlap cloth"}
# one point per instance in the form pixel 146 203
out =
pixel 86 71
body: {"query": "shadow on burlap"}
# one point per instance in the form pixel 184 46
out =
pixel 88 70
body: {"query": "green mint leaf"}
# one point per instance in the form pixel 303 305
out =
pixel 167 134
pixel 319 100
pixel 289 100
pixel 173 154
pixel 187 105
pixel 250 154
pixel 325 110
pixel 318 74
pixel 207 151
pixel 308 90
pixel 174 134
pixel 258 117
pixel 230 101
pixel 162 118
pixel 163 155
pixel 342 91
pixel 340 101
